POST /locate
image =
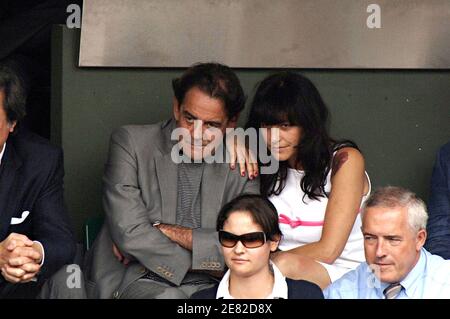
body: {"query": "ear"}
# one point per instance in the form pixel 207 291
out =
pixel 12 126
pixel 176 109
pixel 274 243
pixel 420 239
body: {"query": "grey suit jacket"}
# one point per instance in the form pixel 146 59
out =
pixel 140 188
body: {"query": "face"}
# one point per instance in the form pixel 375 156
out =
pixel 205 118
pixel 390 245
pixel 243 261
pixel 5 127
pixel 284 143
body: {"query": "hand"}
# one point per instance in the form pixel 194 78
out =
pixel 240 154
pixel 119 255
pixel 179 234
pixel 30 266
pixel 22 274
pixel 23 262
pixel 8 246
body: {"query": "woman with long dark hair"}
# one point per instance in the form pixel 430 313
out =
pixel 319 186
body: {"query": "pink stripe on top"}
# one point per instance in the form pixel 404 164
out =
pixel 297 222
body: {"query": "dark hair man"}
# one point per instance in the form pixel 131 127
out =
pixel 160 213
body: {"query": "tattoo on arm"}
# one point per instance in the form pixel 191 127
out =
pixel 338 160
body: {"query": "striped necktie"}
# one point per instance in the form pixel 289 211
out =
pixel 392 291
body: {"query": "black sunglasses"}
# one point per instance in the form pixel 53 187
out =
pixel 250 240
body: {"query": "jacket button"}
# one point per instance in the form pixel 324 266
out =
pixel 142 270
pixel 116 295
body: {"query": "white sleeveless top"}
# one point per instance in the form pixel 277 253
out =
pixel 302 223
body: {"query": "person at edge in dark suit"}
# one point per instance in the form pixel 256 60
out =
pixel 438 227
pixel 35 237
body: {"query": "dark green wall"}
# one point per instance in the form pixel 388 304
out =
pixel 398 117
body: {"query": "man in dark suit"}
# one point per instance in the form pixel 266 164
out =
pixel 35 237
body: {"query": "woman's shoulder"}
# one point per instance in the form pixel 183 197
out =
pixel 337 145
pixel 345 146
pixel 346 152
pixel 351 152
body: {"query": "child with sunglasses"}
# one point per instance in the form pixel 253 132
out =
pixel 248 233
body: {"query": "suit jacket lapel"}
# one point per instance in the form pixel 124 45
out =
pixel 213 187
pixel 11 162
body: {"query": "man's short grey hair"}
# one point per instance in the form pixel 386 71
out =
pixel 392 196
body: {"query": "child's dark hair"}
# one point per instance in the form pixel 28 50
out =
pixel 263 213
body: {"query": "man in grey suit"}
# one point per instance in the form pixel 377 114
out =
pixel 161 214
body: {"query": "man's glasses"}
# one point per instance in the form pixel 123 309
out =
pixel 250 240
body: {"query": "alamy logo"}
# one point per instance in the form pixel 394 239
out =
pixel 374 20
pixel 208 145
pixel 74 277
pixel 74 18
